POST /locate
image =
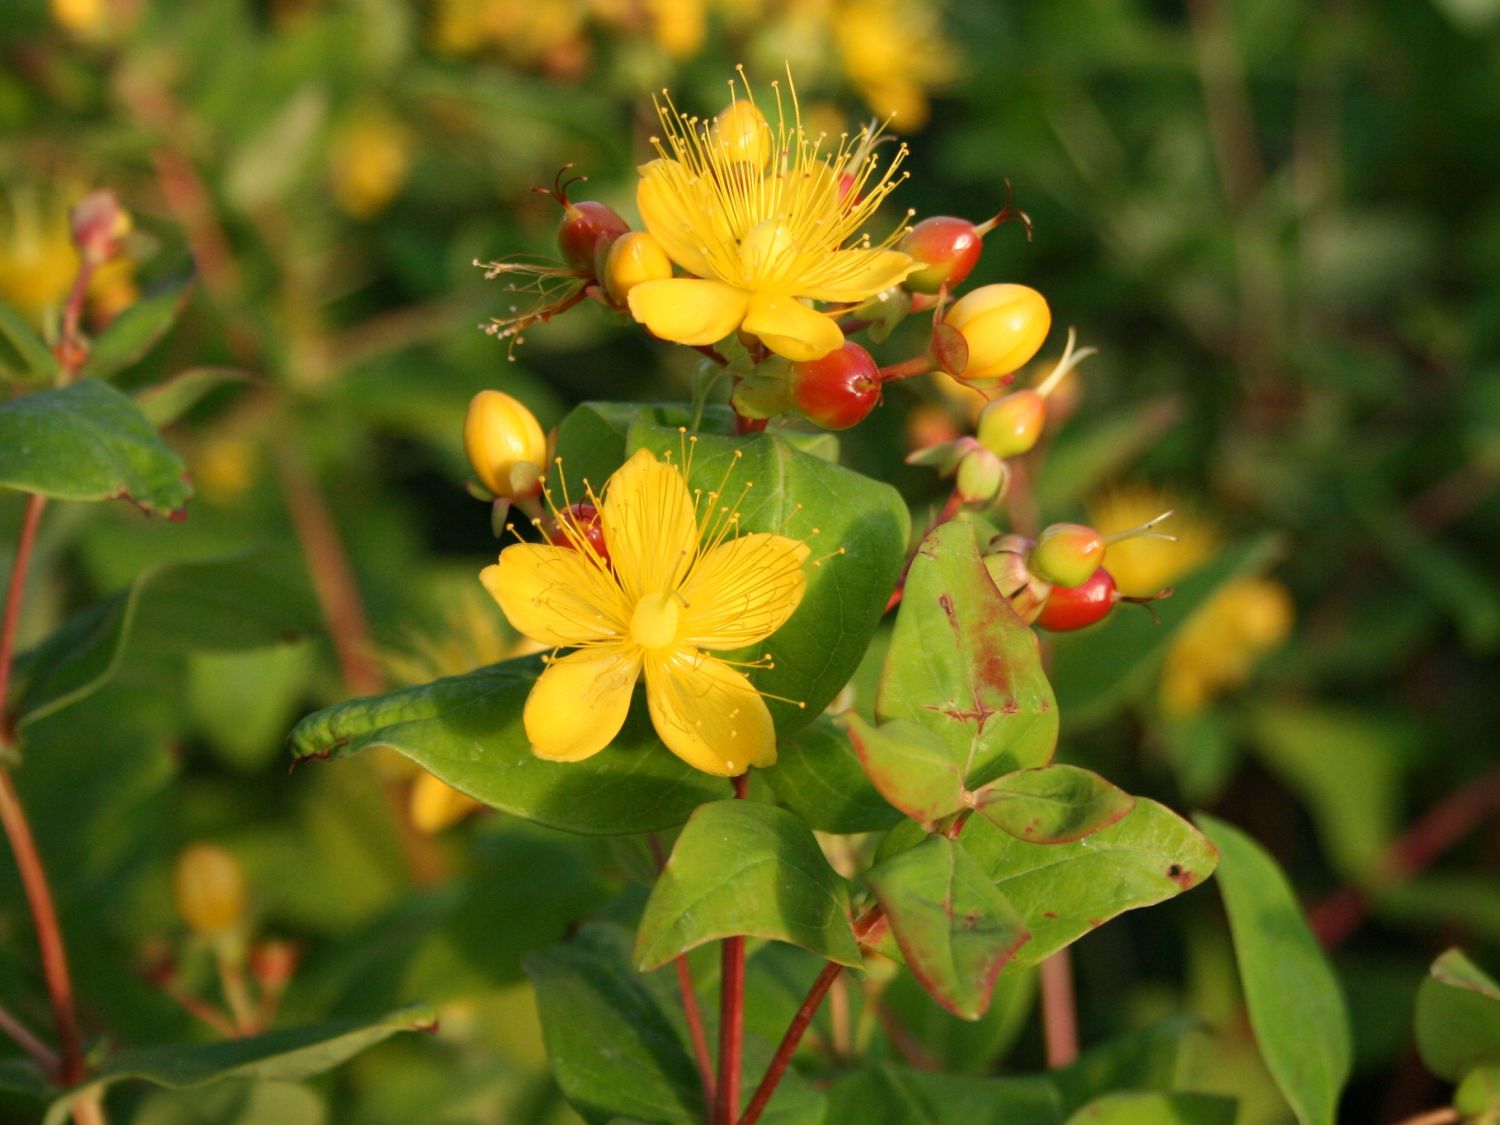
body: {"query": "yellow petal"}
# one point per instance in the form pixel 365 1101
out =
pixel 435 805
pixel 791 329
pixel 579 703
pixel 742 591
pixel 674 208
pixel 688 311
pixel 555 595
pixel 707 713
pixel 857 275
pixel 650 525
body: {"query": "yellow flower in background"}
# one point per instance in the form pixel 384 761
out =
pixel 894 51
pixel 1218 647
pixel 762 228
pixel 678 26
pixel 1143 567
pixel 678 585
pixel 549 33
pixel 38 261
pixel 368 163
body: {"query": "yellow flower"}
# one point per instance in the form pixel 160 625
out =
pixel 762 238
pixel 678 585
pixel 368 164
pixel 894 51
pixel 1218 647
pixel 1143 566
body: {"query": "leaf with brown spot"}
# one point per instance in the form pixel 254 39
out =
pixel 1052 804
pixel 910 765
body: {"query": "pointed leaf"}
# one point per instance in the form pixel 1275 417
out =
pixel 132 334
pixel 1142 1107
pixel 911 766
pixel 40 363
pixel 286 1055
pixel 87 441
pixel 1052 804
pixel 467 730
pixel 740 867
pixel 818 776
pixel 964 665
pixel 1296 1008
pixel 163 403
pixel 955 930
pixel 1458 1017
pixel 611 1048
pixel 1063 891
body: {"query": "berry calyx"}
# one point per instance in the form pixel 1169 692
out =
pixel 1076 607
pixel 839 389
pixel 582 526
pixel 948 249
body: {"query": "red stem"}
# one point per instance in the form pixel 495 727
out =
pixel 1059 1011
pixel 48 932
pixel 918 365
pixel 690 1010
pixel 44 1056
pixel 1342 912
pixel 731 1029
pixel 789 1042
pixel 9 623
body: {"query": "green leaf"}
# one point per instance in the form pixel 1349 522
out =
pixel 1152 1059
pixel 1052 804
pixel 741 867
pixel 1099 670
pixel 857 530
pixel 894 1095
pixel 234 1102
pixel 1458 1017
pixel 1478 1096
pixel 1063 891
pixel 87 441
pixel 132 334
pixel 287 1055
pixel 612 1049
pixel 955 930
pixel 165 402
pixel 910 765
pixel 222 605
pixel 40 363
pixel 1296 1008
pixel 467 730
pixel 1141 1107
pixel 963 664
pixel 818 776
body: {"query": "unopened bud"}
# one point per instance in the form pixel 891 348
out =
pixel 505 445
pixel 272 964
pixel 1003 326
pixel 208 887
pixel 741 131
pixel 633 258
pixel 981 477
pixel 1067 554
pixel 98 225
pixel 1011 425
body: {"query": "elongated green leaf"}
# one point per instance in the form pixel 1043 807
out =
pixel 1458 1017
pixel 132 334
pixel 1062 891
pixel 165 402
pixel 1296 1008
pixel 856 529
pixel 818 776
pixel 467 730
pixel 234 1101
pixel 40 363
pixel 1052 804
pixel 287 1055
pixel 740 867
pixel 612 1049
pixel 87 441
pixel 1142 1107
pixel 955 930
pixel 964 665
pixel 911 765
pixel 1100 670
pixel 894 1095
pixel 221 605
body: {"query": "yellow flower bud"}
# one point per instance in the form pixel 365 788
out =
pixel 1004 326
pixel 742 131
pixel 208 886
pixel 632 259
pixel 505 445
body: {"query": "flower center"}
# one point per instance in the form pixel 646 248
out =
pixel 765 246
pixel 654 622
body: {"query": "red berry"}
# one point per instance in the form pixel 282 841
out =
pixel 947 247
pixel 586 229
pixel 1074 607
pixel 838 390
pixel 583 523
